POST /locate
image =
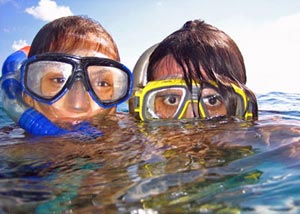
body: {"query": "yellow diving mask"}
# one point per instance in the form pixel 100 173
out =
pixel 174 99
pixel 166 99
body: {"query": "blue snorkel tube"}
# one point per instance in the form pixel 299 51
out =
pixel 26 117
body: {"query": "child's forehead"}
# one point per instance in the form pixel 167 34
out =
pixel 88 53
pixel 97 45
pixel 86 45
pixel 167 68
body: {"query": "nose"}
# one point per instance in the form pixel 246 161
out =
pixel 192 111
pixel 77 97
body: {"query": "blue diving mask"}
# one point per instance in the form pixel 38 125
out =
pixel 47 77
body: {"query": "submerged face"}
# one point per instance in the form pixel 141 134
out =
pixel 65 94
pixel 178 101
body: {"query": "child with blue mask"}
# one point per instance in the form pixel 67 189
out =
pixel 73 72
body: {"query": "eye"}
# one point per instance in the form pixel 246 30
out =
pixel 103 84
pixel 59 80
pixel 171 99
pixel 212 100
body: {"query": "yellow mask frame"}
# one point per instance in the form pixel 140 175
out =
pixel 141 94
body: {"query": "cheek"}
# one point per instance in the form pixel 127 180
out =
pixel 217 111
pixel 28 100
pixel 96 109
pixel 160 110
pixel 45 109
pixel 59 112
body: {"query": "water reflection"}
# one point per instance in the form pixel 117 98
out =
pixel 171 167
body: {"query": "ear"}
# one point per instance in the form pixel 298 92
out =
pixel 28 100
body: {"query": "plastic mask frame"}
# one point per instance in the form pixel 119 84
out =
pixel 79 65
pixel 141 95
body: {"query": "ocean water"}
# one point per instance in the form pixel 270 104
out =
pixel 225 166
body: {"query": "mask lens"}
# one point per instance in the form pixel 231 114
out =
pixel 212 103
pixel 46 79
pixel 164 103
pixel 109 84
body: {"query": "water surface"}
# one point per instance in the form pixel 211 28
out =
pixel 225 166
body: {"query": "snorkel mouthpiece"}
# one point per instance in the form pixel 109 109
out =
pixel 37 124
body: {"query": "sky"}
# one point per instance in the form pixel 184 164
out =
pixel 266 31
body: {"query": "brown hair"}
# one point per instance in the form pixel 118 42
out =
pixel 200 44
pixel 71 33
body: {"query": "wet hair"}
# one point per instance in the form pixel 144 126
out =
pixel 70 33
pixel 205 53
